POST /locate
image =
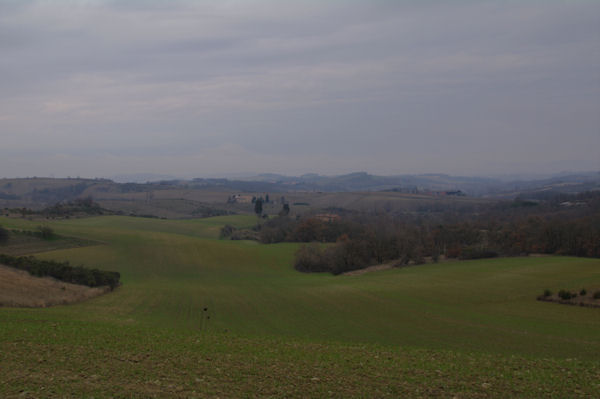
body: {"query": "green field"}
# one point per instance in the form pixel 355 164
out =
pixel 466 329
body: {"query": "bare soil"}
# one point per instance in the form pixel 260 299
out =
pixel 20 289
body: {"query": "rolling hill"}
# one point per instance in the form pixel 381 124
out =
pixel 197 316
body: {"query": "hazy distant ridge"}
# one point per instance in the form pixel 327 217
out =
pixel 476 186
pixel 49 190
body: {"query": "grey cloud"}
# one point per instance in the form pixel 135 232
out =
pixel 291 86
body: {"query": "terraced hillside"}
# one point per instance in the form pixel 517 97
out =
pixel 198 316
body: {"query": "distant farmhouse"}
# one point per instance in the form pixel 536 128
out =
pixel 240 199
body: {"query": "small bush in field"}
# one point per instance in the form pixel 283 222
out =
pixel 597 295
pixel 583 292
pixel 547 293
pixel 565 295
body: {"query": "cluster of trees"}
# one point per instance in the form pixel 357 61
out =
pixel 258 207
pixel 380 242
pixel 572 297
pixel 345 255
pixel 359 240
pixel 44 232
pixel 62 271
pixel 230 232
pixel 22 211
pixel 261 199
pixel 64 209
pixel 79 205
pixel 306 229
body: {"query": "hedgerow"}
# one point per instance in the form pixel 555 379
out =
pixel 62 271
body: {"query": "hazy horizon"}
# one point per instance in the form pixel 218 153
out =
pixel 200 88
pixel 248 176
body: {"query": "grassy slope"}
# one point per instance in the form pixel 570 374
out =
pixel 23 244
pixel 462 315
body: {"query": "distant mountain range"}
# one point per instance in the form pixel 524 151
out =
pixel 32 191
pixel 362 181
pixel 140 178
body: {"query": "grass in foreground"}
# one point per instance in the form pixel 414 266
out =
pixel 53 358
pixel 470 329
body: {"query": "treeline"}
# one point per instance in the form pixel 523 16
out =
pixel 62 271
pixel 359 240
pixel 43 232
pixel 381 241
pixel 66 209
pixel 80 205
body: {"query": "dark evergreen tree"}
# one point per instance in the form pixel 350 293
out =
pixel 285 210
pixel 4 235
pixel 258 206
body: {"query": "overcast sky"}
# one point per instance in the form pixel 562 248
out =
pixel 198 88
